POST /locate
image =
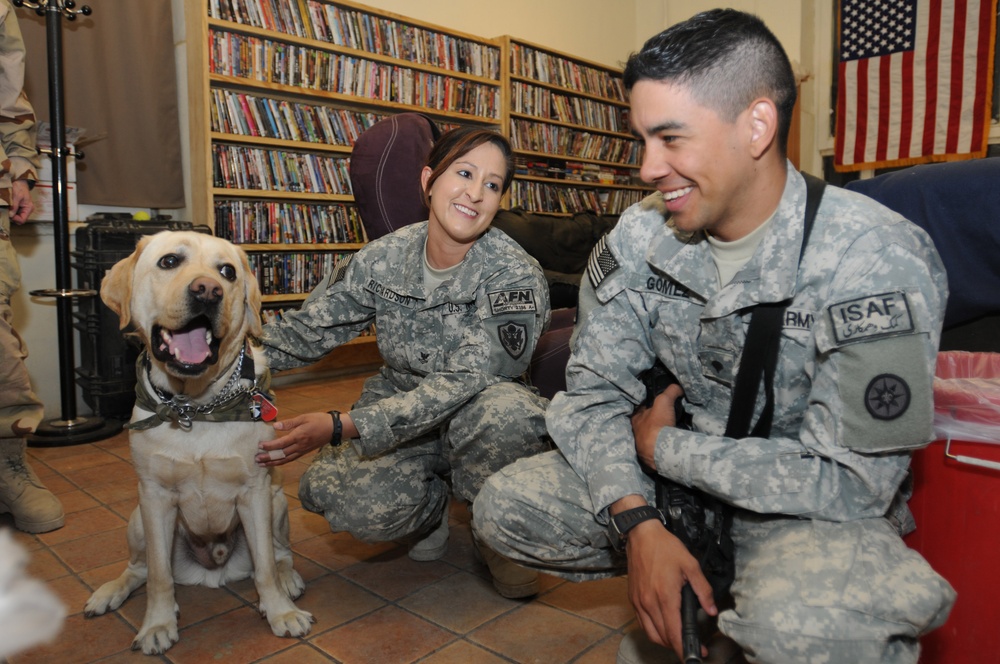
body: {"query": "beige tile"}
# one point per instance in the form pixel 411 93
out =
pixel 393 575
pixel 460 602
pixel 605 601
pixel 334 602
pixel 538 634
pixel 81 524
pixel 80 641
pixel 388 636
pixel 240 635
pixel 463 652
pixel 97 550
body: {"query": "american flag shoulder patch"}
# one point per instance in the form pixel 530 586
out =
pixel 601 263
pixel 340 269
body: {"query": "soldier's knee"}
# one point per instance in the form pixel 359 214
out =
pixel 832 636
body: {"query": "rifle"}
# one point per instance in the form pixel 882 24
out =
pixel 697 520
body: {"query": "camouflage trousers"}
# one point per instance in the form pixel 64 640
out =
pixel 401 494
pixel 20 409
pixel 805 591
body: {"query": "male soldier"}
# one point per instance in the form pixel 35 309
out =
pixel 821 572
pixel 34 507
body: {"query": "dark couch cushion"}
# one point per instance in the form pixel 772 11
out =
pixel 385 172
pixel 561 245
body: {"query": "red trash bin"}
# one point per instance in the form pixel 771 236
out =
pixel 956 504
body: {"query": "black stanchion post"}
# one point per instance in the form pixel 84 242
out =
pixel 69 428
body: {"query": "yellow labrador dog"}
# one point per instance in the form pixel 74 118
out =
pixel 207 514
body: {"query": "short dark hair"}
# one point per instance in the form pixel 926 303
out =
pixel 454 143
pixel 726 58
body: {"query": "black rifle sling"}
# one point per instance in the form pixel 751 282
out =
pixel 760 352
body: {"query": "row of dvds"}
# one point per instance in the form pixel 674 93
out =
pixel 547 68
pixel 290 273
pixel 248 115
pixel 540 102
pixel 584 172
pixel 241 167
pixel 363 31
pixel 357 29
pixel 543 197
pixel 269 61
pixel 553 139
pixel 281 222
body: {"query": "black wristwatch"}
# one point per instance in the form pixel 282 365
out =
pixel 336 438
pixel 623 522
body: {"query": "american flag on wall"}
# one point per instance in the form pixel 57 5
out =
pixel 915 81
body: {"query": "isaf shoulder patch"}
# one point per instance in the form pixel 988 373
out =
pixel 868 318
pixel 601 263
pixel 517 300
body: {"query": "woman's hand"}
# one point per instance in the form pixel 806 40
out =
pixel 305 433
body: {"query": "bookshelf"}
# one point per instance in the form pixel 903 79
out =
pixel 279 90
pixel 567 120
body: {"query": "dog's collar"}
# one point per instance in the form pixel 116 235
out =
pixel 235 403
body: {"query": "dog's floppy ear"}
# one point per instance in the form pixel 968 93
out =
pixel 253 299
pixel 116 287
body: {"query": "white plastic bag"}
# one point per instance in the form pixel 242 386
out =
pixel 967 397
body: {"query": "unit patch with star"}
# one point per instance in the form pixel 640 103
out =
pixel 887 397
pixel 886 388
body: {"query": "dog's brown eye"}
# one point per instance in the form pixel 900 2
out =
pixel 170 261
pixel 228 272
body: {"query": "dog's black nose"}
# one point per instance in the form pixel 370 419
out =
pixel 205 289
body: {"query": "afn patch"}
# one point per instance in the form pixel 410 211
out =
pixel 516 300
pixel 513 338
pixel 887 397
pixel 871 317
pixel 601 263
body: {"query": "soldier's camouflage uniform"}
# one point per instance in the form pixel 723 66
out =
pixel 447 404
pixel 20 409
pixel 822 574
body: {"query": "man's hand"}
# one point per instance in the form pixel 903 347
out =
pixel 305 433
pixel 658 567
pixel 647 422
pixel 21 205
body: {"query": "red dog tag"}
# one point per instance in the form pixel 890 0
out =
pixel 262 408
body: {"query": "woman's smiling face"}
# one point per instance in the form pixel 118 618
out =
pixel 466 196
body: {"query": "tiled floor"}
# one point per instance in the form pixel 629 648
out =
pixel 372 604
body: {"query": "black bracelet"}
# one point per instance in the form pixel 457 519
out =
pixel 338 429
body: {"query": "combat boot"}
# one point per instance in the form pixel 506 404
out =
pixel 35 508
pixel 511 580
pixel 434 545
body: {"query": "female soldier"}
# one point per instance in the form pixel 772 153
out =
pixel 458 308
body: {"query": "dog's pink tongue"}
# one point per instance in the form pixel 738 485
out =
pixel 190 347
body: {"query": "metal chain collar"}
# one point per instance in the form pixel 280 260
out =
pixel 181 403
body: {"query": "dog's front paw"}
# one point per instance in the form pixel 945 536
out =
pixel 290 581
pixel 108 597
pixel 291 623
pixel 155 640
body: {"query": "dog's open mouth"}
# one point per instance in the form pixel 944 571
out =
pixel 187 349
